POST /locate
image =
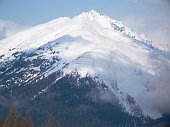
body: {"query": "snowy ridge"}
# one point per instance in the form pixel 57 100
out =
pixel 109 23
pixel 92 44
pixel 53 28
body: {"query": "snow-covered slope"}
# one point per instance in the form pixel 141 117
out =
pixel 95 45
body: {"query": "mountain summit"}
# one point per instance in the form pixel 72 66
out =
pixel 123 66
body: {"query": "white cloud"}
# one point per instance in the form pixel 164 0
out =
pixel 9 28
pixel 161 36
pixel 136 23
pixel 159 96
pixel 155 28
pixel 153 20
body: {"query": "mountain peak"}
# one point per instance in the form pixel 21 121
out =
pixel 93 12
pixel 90 14
pixel 93 44
pixel 97 18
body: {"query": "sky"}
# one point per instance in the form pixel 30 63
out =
pixel 37 11
pixel 148 17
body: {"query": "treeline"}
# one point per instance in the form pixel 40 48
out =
pixel 14 119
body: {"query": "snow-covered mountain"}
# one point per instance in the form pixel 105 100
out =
pixel 90 44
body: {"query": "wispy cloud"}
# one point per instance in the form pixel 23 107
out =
pixel 9 28
pixel 155 23
pixel 155 26
pixel 134 22
pixel 161 36
pixel 159 97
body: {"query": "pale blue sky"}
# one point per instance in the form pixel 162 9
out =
pixel 150 17
pixel 31 12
